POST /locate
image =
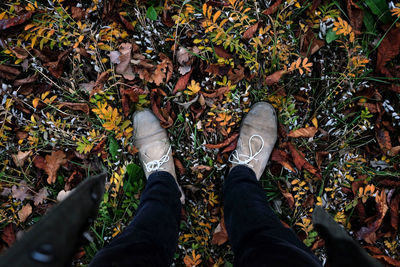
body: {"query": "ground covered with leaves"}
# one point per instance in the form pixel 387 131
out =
pixel 73 72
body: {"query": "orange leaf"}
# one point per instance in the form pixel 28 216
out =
pixel 303 132
pixel 274 77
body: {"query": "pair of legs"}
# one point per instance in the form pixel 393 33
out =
pixel 255 233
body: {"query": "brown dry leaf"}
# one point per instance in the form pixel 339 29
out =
pixel 77 13
pixel 128 25
pixel 248 34
pixel 273 8
pixel 221 52
pixel 19 159
pixel 368 233
pixel 26 80
pixel 165 119
pixel 282 158
pixel 383 139
pixel 220 91
pixel 388 259
pixel 130 95
pixel 40 196
pixel 163 71
pixel 301 162
pixel 201 168
pixel 183 56
pixel 124 67
pixel 220 235
pixel 236 75
pixel 231 147
pixel 319 157
pixel 75 106
pixel 225 143
pixel 274 77
pixel 394 151
pixel 9 73
pixel 179 166
pixel 20 52
pixel 288 196
pixel 51 164
pixel 7 23
pixel 21 192
pixel 24 212
pixel 394 212
pixel 303 132
pixel 8 235
pixel 371 107
pixel 387 50
pixel 356 15
pixel 309 44
pixel 56 68
pixel 182 82
pixel 99 84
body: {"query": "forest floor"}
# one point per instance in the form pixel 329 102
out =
pixel 73 72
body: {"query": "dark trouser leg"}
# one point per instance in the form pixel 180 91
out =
pixel 257 236
pixel 152 237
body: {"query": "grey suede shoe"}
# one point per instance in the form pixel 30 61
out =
pixel 152 141
pixel 258 134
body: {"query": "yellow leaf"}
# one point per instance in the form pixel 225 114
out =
pixel 216 15
pixel 33 41
pixel 27 27
pixel 35 102
pixel 204 9
pixel 315 122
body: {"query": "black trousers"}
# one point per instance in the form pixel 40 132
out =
pixel 257 236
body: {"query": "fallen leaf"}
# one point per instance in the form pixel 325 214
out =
pixel 303 132
pixel 273 8
pixel 40 196
pixel 368 233
pixel 27 80
pixel 383 139
pixel 248 34
pixel 182 82
pixel 372 108
pixel 77 13
pixel 387 50
pixel 394 151
pixel 230 147
pixel 128 25
pixel 9 73
pixel 274 77
pixel 315 4
pixel 21 192
pixel 124 67
pixel 51 164
pixel 166 121
pixel 183 56
pixel 201 168
pixel 130 95
pixel 7 23
pixel 309 44
pixel 99 84
pixel 75 106
pixel 236 75
pixel 220 235
pixel 20 52
pixel 219 92
pixel 288 196
pixel 114 57
pixel 394 212
pixel 356 15
pixel 20 157
pixel 301 162
pixel 282 158
pixel 388 259
pixel 24 212
pixel 225 143
pixel 319 157
pixel 8 234
pixel 56 68
pixel 179 166
pixel 221 52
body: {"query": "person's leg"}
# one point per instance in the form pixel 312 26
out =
pixel 257 236
pixel 152 237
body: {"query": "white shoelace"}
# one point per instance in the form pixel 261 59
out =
pixel 156 164
pixel 235 156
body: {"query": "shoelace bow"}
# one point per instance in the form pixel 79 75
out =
pixel 156 164
pixel 235 156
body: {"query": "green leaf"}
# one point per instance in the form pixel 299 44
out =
pixel 113 148
pixel 331 36
pixel 380 8
pixel 151 13
pixel 369 21
pixel 135 177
